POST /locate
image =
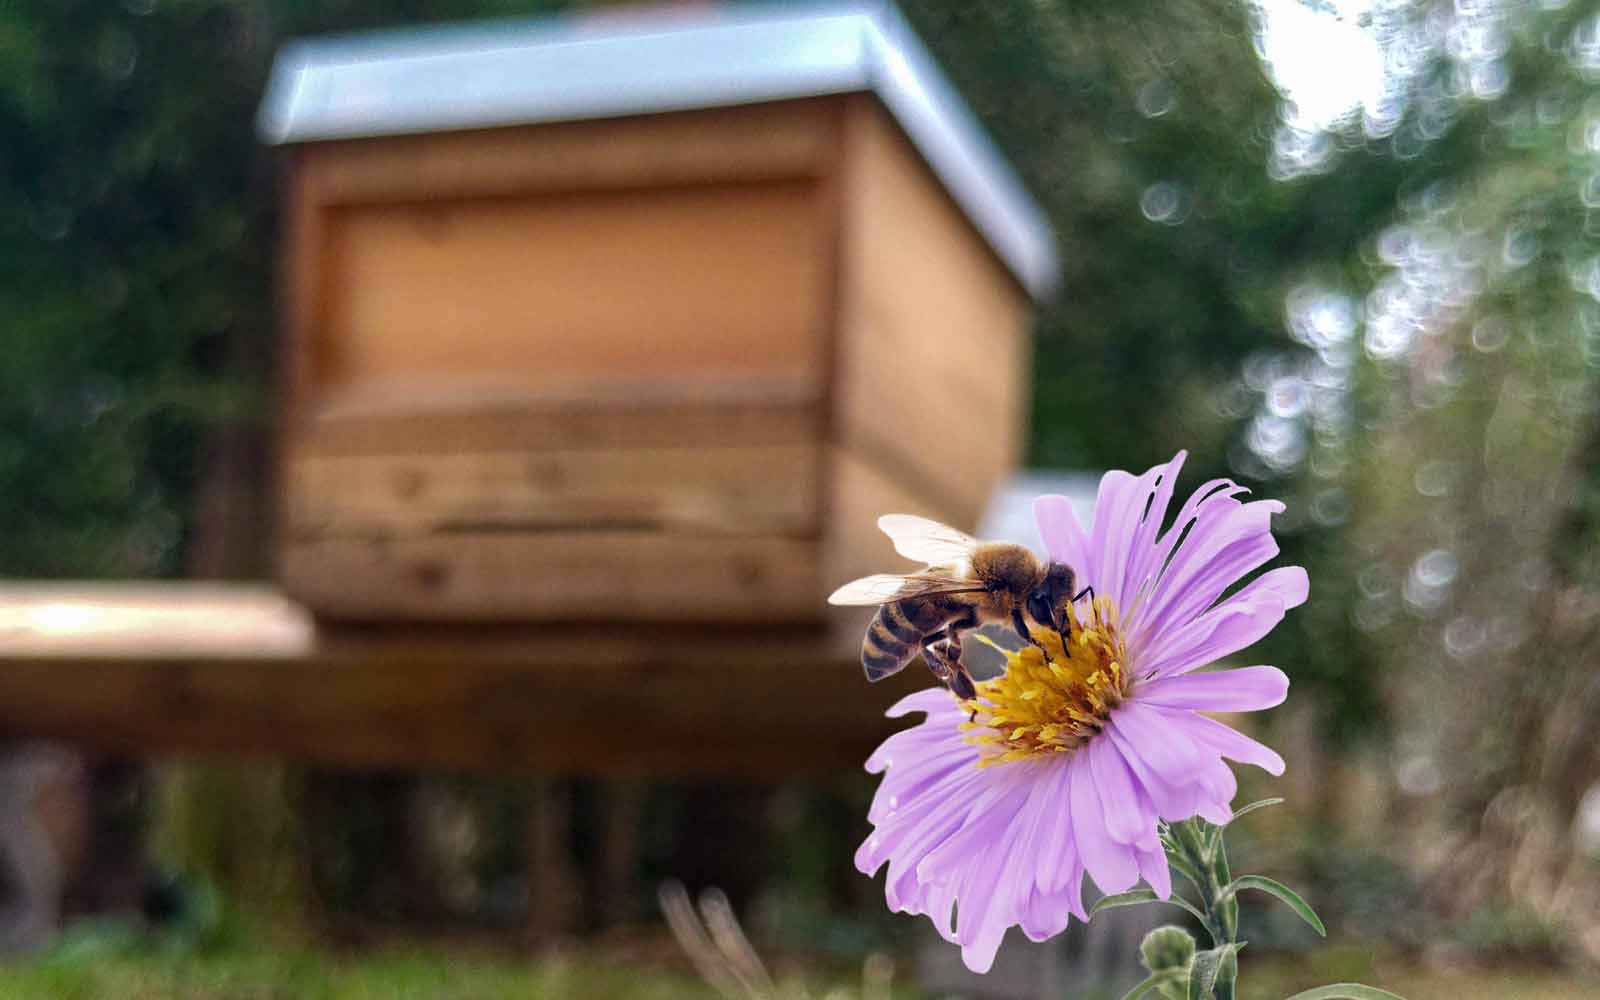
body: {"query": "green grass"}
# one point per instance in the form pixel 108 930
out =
pixel 90 968
pixel 314 976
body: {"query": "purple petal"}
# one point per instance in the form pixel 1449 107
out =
pixel 1168 751
pixel 1247 689
pixel 1233 625
pixel 987 822
pixel 1141 562
pixel 1204 506
pixel 1058 853
pixel 1116 518
pixel 994 896
pixel 1128 814
pixel 1110 864
pixel 1172 802
pixel 931 700
pixel 1064 537
pixel 1117 509
pixel 1153 868
pixel 918 748
pixel 1234 745
pixel 1218 787
pixel 906 841
pixel 1221 550
pixel 1046 914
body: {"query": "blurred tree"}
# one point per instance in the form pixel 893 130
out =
pixel 136 258
pixel 1449 361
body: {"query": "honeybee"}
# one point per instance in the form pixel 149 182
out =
pixel 967 583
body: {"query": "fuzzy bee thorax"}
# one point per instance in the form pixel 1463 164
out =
pixel 1008 571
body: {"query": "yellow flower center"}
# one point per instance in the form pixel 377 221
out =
pixel 1051 700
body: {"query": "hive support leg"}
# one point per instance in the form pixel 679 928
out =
pixel 33 858
pixel 116 866
pixel 617 867
pixel 554 892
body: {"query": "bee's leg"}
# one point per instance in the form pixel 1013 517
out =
pixel 929 641
pixel 933 654
pixel 963 686
pixel 960 681
pixel 1023 631
pixel 947 653
pixel 1065 627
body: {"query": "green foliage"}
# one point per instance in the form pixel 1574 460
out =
pixel 1361 892
pixel 1195 849
pixel 1514 933
pixel 1101 105
pixel 136 258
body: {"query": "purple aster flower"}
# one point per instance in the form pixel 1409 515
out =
pixel 990 812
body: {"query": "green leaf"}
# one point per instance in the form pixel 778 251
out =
pixel 1181 865
pixel 1152 981
pixel 1252 807
pixel 1346 991
pixel 1134 897
pixel 1283 892
pixel 1226 909
pixel 1203 971
pixel 1228 975
pixel 1193 841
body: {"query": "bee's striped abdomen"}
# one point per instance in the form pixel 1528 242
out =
pixel 898 630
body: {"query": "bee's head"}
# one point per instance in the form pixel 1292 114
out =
pixel 1047 604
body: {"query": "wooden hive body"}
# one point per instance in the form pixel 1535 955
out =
pixel 664 366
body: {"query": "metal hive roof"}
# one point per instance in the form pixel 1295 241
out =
pixel 561 69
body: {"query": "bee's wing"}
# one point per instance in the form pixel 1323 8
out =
pixel 926 541
pixel 882 588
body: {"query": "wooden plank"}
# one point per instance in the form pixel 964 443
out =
pixel 41 618
pixel 752 490
pixel 934 352
pixel 255 678
pixel 301 270
pixel 566 289
pixel 760 412
pixel 555 576
pixel 779 140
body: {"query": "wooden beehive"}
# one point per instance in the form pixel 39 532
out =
pixel 640 319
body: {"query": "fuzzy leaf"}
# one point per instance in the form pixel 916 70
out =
pixel 1346 991
pixel 1283 892
pixel 1203 971
pixel 1151 982
pixel 1133 897
pixel 1252 807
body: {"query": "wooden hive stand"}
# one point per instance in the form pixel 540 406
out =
pixel 607 342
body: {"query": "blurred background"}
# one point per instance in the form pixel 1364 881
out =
pixel 1347 253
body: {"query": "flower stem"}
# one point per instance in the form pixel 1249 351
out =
pixel 1197 851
